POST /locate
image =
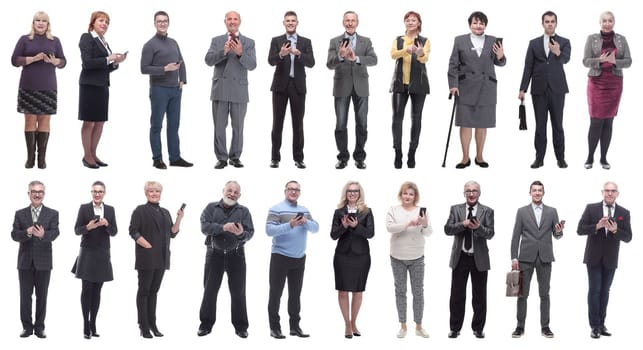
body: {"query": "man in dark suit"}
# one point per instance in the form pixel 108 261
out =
pixel 471 224
pixel 544 62
pixel 348 55
pixel 232 56
pixel 532 249
pixel 35 227
pixel 605 224
pixel 290 54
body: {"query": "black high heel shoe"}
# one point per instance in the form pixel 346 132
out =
pixel 463 165
pixel 145 333
pixel 89 165
pixel 100 163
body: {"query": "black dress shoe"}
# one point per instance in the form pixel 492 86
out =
pixel 94 334
pixel 90 165
pixel 242 334
pixel 479 334
pixel 145 333
pixel 596 333
pixel 300 164
pixel 518 332
pixel 203 332
pixel 276 333
pixel 181 162
pixel 360 164
pixel 299 333
pixel 463 165
pixel 25 333
pixel 341 164
pixel 221 164
pixel 537 164
pixel 357 334
pixel 236 163
pixel 482 164
pixel 605 165
pixel 158 164
pixel 605 332
pixel 348 336
pixel 562 163
pixel 274 164
pixel 100 163
pixel 87 336
pixel 40 334
pixel 453 334
pixel 547 333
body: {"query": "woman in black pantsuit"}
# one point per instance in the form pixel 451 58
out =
pixel 95 223
pixel 352 227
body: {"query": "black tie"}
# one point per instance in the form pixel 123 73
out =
pixel 609 217
pixel 468 233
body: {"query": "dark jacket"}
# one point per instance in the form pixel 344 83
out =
pixel 602 249
pixel 352 240
pixel 95 70
pixel 154 224
pixel 35 252
pixel 282 65
pixel 98 237
pixel 419 83
pixel 215 215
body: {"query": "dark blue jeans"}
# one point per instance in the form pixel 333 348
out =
pixel 600 280
pixel 360 105
pixel 165 101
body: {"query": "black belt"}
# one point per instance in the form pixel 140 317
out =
pixel 467 253
pixel 227 250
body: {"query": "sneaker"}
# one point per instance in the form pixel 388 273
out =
pixel 421 333
pixel 401 333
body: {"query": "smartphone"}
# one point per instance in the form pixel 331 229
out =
pixel 287 43
pixel 474 219
pixel 608 52
pixel 422 211
pixel 125 53
pixel 96 218
pixel 182 206
pixel 562 222
pixel 610 220
pixel 498 41
pixel 346 41
pixel 179 61
pixel 36 223
pixel 353 215
pixel 551 40
pixel 299 215
pixel 416 42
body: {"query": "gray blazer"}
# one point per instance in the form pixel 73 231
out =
pixel 592 53
pixel 530 240
pixel 351 75
pixel 475 77
pixel 230 80
pixel 454 227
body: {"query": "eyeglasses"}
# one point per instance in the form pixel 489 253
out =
pixel 163 21
pixel 98 192
pixel 34 192
pixel 290 189
pixel 610 191
pixel 352 191
pixel 471 192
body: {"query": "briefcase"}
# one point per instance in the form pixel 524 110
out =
pixel 514 283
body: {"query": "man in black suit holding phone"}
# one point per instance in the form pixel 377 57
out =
pixel 471 224
pixel 290 54
pixel 34 227
pixel 544 62
pixel 227 226
pixel 605 224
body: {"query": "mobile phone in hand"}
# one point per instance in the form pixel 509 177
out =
pixel 299 215
pixel 562 222
pixel 498 41
pixel 608 52
pixel 96 218
pixel 287 44
pixel 474 220
pixel 422 211
pixel 182 206
pixel 346 41
pixel 551 40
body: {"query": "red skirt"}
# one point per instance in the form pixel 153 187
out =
pixel 604 95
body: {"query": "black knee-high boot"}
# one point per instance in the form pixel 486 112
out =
pixel 30 139
pixel 42 138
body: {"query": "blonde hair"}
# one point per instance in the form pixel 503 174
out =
pixel 409 185
pixel 45 16
pixel 607 13
pixel 153 184
pixel 361 205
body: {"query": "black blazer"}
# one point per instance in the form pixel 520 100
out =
pixel 454 227
pixel 282 65
pixel 154 224
pixel 352 240
pixel 546 71
pixel 95 70
pixel 35 252
pixel 98 237
pixel 603 248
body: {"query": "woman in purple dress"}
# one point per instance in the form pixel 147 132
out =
pixel 606 54
pixel 39 54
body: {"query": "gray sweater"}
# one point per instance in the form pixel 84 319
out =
pixel 158 52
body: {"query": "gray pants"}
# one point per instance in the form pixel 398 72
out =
pixel 543 274
pixel 220 112
pixel 415 269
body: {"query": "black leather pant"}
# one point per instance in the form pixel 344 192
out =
pixel 399 105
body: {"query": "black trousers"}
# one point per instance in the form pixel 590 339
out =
pixel 217 263
pixel 399 105
pixel 282 268
pixel 459 276
pixel 90 302
pixel 149 283
pixel 297 109
pixel 360 107
pixel 553 104
pixel 30 280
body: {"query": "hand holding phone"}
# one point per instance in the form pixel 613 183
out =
pixel 299 216
pixel 96 218
pixel 498 41
pixel 346 41
pixel 182 206
pixel 422 211
pixel 551 40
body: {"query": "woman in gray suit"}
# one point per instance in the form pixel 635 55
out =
pixel 472 79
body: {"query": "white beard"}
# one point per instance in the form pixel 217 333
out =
pixel 229 202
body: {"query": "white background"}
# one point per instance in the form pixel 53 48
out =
pixel 504 185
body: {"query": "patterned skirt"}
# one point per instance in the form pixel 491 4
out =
pixel 37 102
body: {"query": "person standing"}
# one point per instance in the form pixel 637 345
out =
pixel 472 78
pixel 544 66
pixel 232 56
pixel 353 225
pixel 98 61
pixel 95 223
pixel 349 55
pixel 410 52
pixel 605 224
pixel 288 224
pixel 227 226
pixel 35 228
pixel 161 59
pixel 606 54
pixel 151 227
pixel 39 53
pixel 290 54
pixel 532 249
pixel 471 224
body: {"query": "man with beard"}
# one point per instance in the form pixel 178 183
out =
pixel 227 226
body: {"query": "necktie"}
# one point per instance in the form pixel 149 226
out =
pixel 293 45
pixel 35 213
pixel 468 233
pixel 609 217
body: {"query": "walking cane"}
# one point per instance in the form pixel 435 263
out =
pixel 446 148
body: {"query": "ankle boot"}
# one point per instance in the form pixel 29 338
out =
pixel 398 158
pixel 30 139
pixel 411 161
pixel 42 138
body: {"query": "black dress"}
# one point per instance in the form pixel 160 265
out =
pixel 93 262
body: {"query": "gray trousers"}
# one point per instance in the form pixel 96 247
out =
pixel 415 269
pixel 543 274
pixel 220 112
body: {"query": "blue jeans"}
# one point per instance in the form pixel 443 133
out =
pixel 165 101
pixel 600 280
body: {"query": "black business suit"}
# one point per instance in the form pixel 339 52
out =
pixel 94 79
pixel 464 263
pixel 601 256
pixel 34 263
pixel 352 260
pixel 548 89
pixel 289 88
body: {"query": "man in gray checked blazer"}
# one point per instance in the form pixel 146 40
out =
pixel 35 227
pixel 532 249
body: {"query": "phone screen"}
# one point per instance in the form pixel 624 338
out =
pixel 422 211
pixel 499 41
pixel 96 218
pixel 346 41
